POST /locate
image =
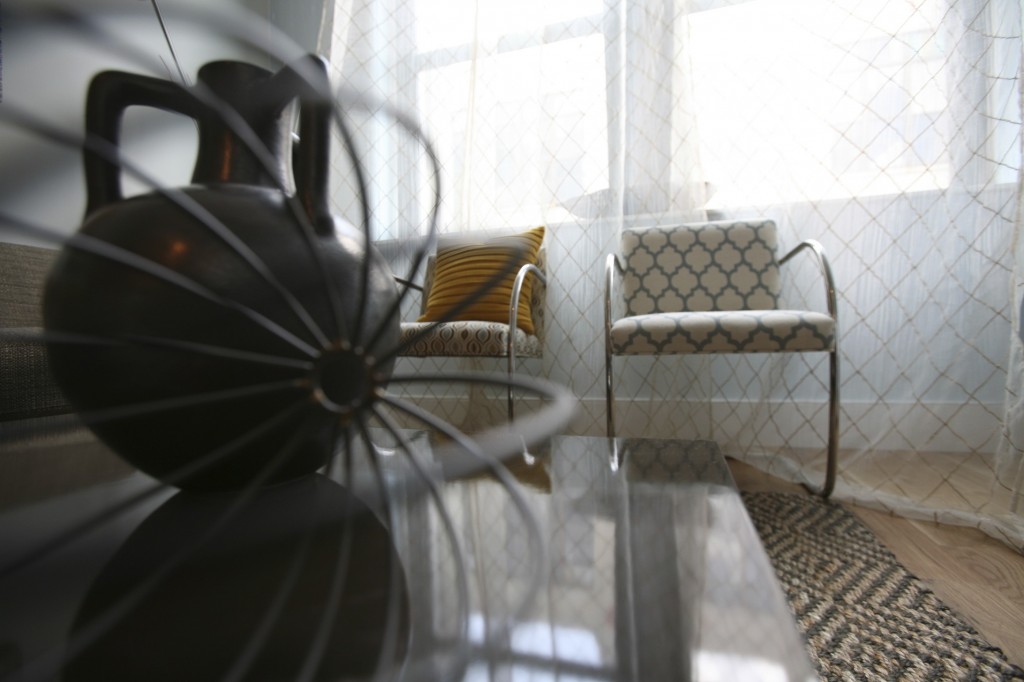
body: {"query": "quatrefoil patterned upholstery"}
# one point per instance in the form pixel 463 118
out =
pixel 715 288
pixel 700 268
pixel 471 338
pixel 709 288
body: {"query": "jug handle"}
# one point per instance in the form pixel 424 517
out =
pixel 110 93
pixel 311 154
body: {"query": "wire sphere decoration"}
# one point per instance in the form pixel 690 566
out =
pixel 236 343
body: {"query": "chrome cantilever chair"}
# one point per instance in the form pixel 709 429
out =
pixel 508 322
pixel 714 288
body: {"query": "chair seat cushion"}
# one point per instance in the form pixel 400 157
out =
pixel 746 331
pixel 466 339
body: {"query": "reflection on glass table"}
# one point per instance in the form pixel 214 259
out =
pixel 584 559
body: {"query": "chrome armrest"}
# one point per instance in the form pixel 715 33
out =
pixel 513 321
pixel 826 271
pixel 612 264
pixel 517 287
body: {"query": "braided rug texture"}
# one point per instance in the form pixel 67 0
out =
pixel 863 615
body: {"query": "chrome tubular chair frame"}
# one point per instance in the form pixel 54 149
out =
pixel 509 346
pixel 615 266
pixel 833 360
pixel 513 316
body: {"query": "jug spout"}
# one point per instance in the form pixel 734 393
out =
pixel 251 94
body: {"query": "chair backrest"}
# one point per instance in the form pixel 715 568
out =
pixel 700 267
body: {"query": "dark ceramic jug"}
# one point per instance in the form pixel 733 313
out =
pixel 220 335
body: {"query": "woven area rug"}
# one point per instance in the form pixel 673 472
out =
pixel 863 615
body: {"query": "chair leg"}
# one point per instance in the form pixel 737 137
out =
pixel 832 454
pixel 609 395
pixel 833 424
pixel 511 376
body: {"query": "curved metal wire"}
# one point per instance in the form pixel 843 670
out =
pixel 469 453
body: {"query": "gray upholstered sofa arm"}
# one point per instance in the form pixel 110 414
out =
pixel 26 387
pixel 44 449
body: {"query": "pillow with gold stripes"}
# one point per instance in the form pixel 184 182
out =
pixel 462 269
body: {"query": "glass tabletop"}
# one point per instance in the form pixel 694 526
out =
pixel 583 559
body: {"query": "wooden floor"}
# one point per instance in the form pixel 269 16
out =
pixel 980 578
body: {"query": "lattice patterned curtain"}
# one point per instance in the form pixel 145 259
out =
pixel 891 132
pixel 888 131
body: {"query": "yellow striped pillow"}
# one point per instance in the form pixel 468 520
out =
pixel 462 269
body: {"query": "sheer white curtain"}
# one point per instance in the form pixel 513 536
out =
pixel 888 131
pixel 569 114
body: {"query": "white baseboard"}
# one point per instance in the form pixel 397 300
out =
pixel 932 427
pixel 929 427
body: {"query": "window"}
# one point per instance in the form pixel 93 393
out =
pixel 513 95
pixel 801 100
pixel 533 105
